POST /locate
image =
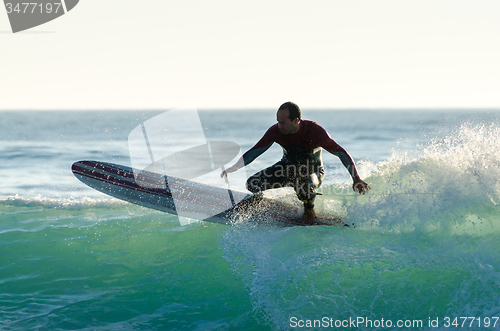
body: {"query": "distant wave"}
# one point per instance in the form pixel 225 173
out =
pixel 374 138
pixel 63 203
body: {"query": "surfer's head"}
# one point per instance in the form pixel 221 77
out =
pixel 288 118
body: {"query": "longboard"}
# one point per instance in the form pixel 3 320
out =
pixel 152 190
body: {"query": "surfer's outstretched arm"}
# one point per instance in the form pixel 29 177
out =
pixel 263 145
pixel 233 168
pixel 359 186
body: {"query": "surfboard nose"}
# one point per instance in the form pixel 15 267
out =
pixel 83 166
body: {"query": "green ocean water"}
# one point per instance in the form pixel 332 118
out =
pixel 109 265
pixel 424 251
pixel 114 266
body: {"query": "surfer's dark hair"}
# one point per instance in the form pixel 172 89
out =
pixel 293 109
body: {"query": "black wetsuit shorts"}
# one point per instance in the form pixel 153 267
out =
pixel 304 178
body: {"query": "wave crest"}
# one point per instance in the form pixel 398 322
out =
pixel 61 203
pixel 453 185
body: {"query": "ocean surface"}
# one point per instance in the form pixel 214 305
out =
pixel 425 251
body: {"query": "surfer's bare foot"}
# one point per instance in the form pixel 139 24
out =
pixel 309 216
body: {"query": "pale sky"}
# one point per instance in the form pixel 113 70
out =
pixel 162 54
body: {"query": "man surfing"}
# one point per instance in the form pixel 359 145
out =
pixel 302 164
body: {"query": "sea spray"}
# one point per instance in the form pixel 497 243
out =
pixel 452 186
pixel 425 245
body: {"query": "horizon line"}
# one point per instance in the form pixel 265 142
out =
pixel 262 109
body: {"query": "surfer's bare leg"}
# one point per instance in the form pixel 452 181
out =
pixel 306 192
pixel 309 215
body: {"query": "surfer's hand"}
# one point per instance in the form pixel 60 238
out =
pixel 228 171
pixel 360 186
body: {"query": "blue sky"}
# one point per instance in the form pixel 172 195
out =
pixel 162 54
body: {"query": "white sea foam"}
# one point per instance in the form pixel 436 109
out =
pixel 62 203
pixel 452 185
pixel 425 245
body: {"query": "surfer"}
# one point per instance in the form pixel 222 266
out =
pixel 302 165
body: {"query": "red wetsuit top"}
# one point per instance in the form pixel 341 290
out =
pixel 302 146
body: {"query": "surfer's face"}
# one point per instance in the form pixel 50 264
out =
pixel 285 125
